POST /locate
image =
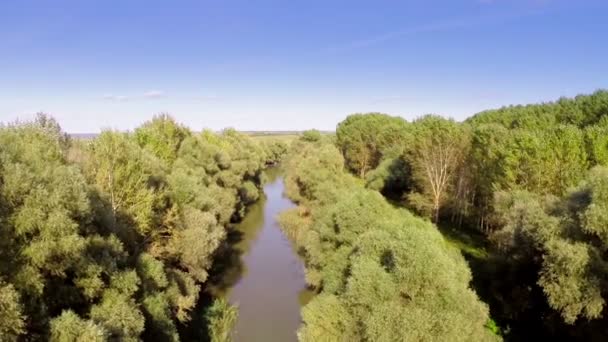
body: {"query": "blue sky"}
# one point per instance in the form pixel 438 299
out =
pixel 291 64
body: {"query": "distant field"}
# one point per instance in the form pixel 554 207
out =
pixel 282 137
pixel 286 135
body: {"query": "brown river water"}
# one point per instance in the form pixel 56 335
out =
pixel 269 286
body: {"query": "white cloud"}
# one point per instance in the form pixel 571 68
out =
pixel 154 94
pixel 151 94
pixel 118 98
pixel 206 97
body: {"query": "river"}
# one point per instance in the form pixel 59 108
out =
pixel 268 278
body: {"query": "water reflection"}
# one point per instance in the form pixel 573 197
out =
pixel 261 272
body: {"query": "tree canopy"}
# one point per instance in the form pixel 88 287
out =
pixel 381 273
pixel 113 238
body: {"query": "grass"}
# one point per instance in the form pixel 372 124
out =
pixel 470 243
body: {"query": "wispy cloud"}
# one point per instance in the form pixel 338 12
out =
pixel 154 94
pixel 117 98
pixel 151 94
pixel 205 98
pixel 424 28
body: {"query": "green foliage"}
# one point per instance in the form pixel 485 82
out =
pixel 566 238
pixel 327 319
pixel 221 317
pixel 274 150
pixel 511 173
pixel 249 192
pixel 68 327
pixel 122 172
pixel 11 319
pixel 312 171
pixel 151 271
pixel 119 315
pixel 117 233
pixel 583 110
pixel 162 136
pixel 596 138
pixel 364 138
pixel 437 152
pixel 381 273
pixel 158 315
pixel 311 135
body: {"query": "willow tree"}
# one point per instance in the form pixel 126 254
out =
pixel 11 319
pixel 363 138
pixel 381 273
pixel 162 136
pixel 565 239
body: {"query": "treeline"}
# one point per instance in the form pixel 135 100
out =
pixel 113 238
pixel 531 180
pixel 381 273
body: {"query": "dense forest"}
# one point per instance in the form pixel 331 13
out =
pixel 521 191
pixel 432 229
pixel 113 238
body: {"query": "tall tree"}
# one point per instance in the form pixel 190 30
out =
pixel 438 148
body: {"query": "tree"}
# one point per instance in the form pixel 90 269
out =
pixel 122 171
pixel 104 239
pixel 363 138
pixel 566 238
pixel 221 317
pixel 68 327
pixel 12 323
pixel 311 135
pixel 162 136
pixel 119 315
pixel 596 139
pixel 377 269
pixel 438 149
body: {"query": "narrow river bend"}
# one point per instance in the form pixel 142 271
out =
pixel 269 287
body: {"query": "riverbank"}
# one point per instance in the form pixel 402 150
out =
pixel 262 274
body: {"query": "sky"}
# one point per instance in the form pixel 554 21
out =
pixel 291 64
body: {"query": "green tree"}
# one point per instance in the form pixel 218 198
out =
pixel 565 238
pixel 121 171
pixel 377 269
pixel 162 136
pixel 12 323
pixel 68 327
pixel 363 138
pixel 311 135
pixel 221 317
pixel 437 151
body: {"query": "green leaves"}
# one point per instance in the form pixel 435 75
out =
pixel 162 136
pixel 567 237
pixel 221 317
pixel 12 323
pixel 116 233
pixel 119 315
pixel 363 138
pixel 568 282
pixel 68 327
pixel 381 273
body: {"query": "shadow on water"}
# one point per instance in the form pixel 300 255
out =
pixel 229 266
